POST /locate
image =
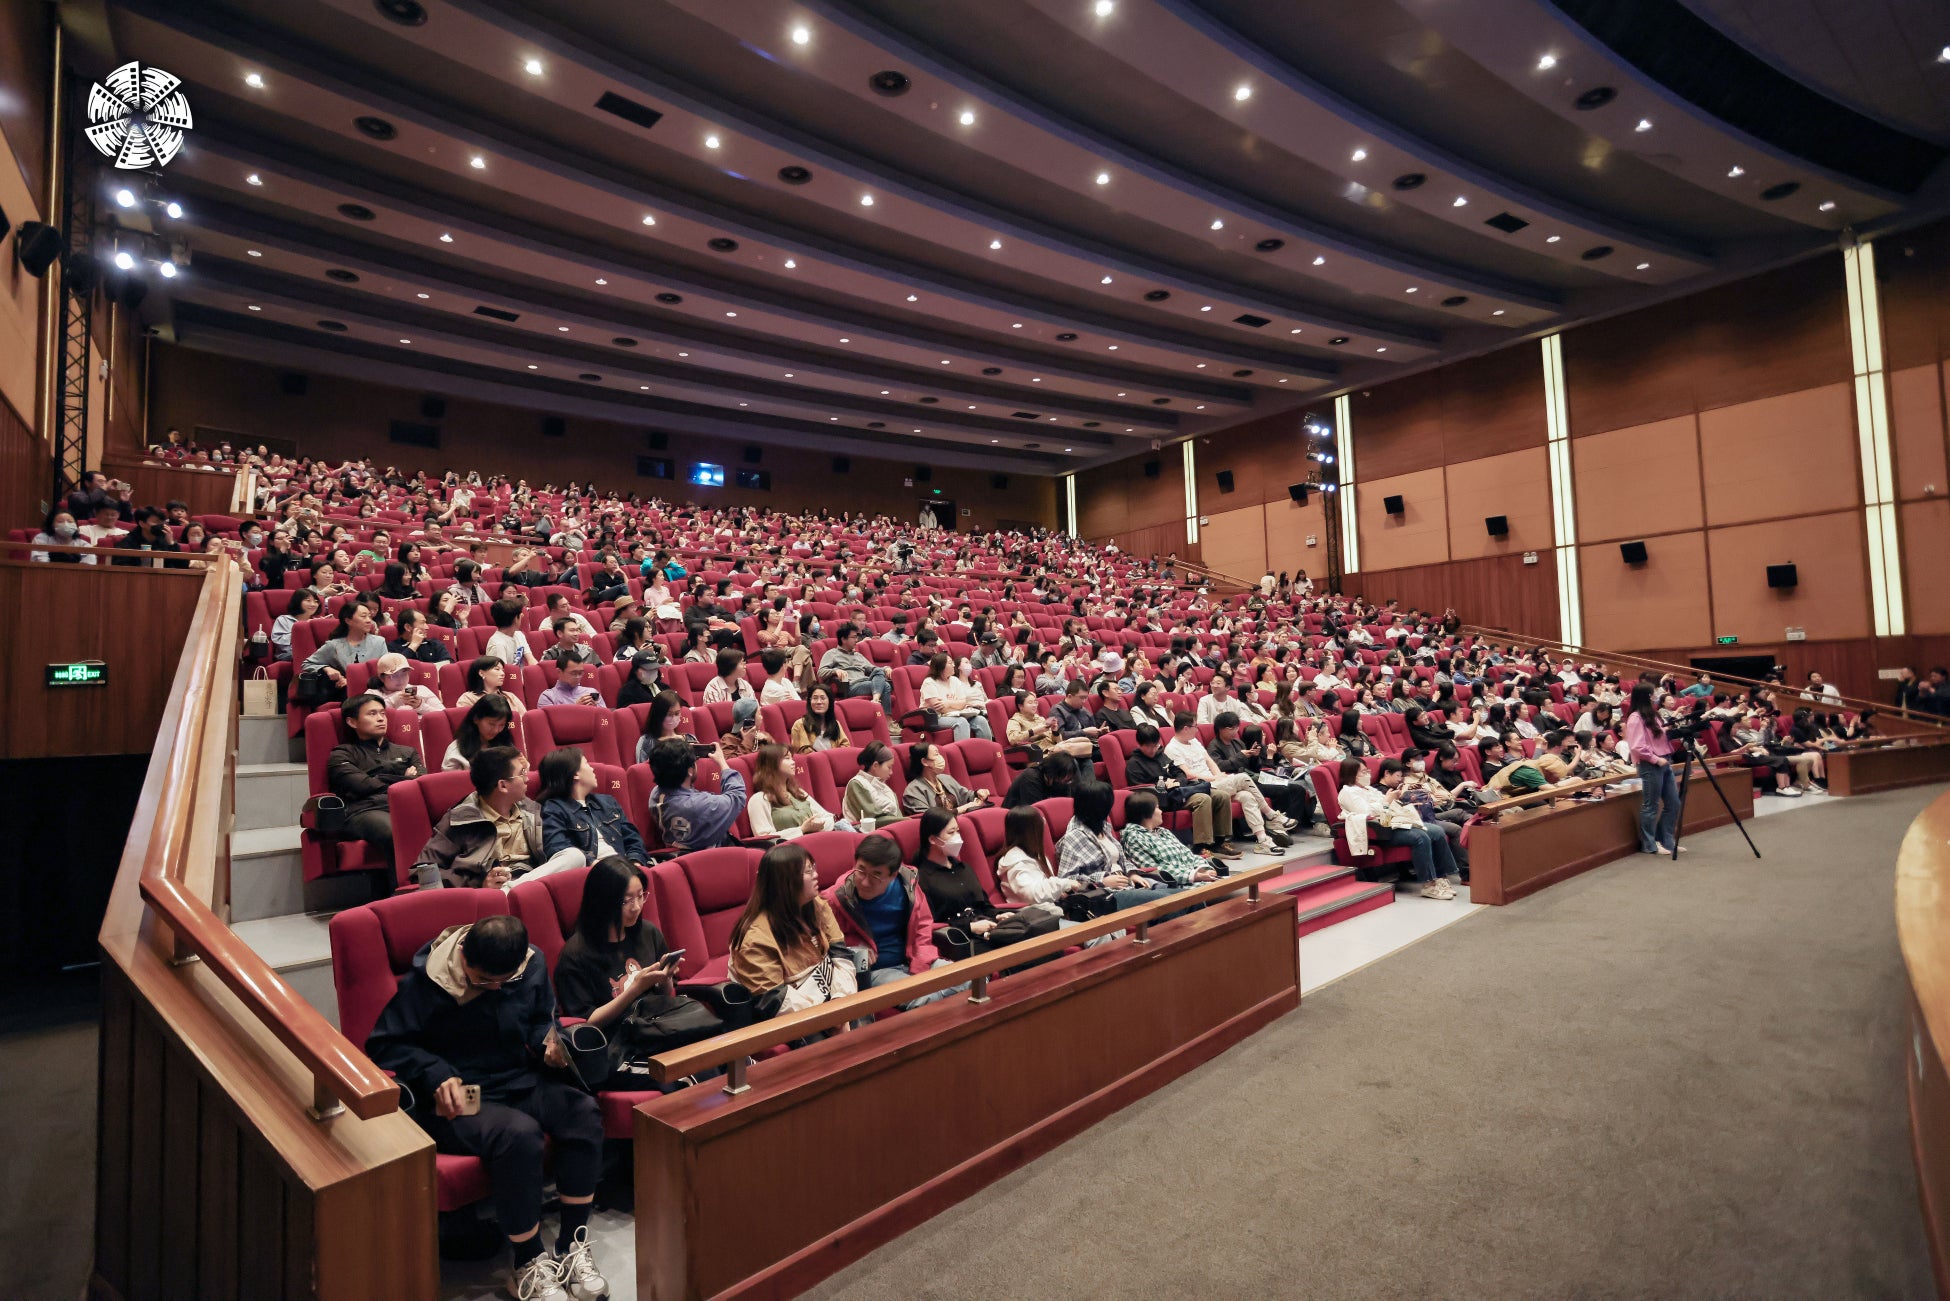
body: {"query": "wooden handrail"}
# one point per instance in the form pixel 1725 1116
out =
pixel 1642 662
pixel 1923 934
pixel 1591 783
pixel 187 805
pixel 735 1047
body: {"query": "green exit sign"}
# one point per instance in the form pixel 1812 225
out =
pixel 81 673
pixel 1727 641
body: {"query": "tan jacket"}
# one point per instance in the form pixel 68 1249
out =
pixel 759 964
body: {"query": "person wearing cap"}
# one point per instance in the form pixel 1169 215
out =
pixel 744 736
pixel 397 688
pixel 627 608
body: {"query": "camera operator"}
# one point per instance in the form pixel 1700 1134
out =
pixel 1652 750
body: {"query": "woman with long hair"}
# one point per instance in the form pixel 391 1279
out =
pixel 396 585
pixel 489 721
pixel 783 937
pixel 930 787
pixel 576 816
pixel 302 605
pixel 1651 749
pixel 1024 867
pixel 819 728
pixel 488 676
pixel 779 805
pixel 665 719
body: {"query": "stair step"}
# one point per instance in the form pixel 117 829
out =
pixel 298 947
pixel 257 841
pixel 270 794
pixel 265 740
pixel 1339 900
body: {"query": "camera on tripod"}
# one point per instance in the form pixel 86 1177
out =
pixel 1686 731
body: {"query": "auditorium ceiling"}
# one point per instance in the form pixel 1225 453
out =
pixel 1032 234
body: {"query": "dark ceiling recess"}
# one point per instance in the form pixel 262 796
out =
pixel 1240 374
pixel 629 110
pixel 1160 402
pixel 356 211
pixel 1270 245
pixel 1157 295
pixel 1025 415
pixel 1597 252
pixel 623 342
pixel 991 370
pixel 376 127
pixel 1668 42
pixel 591 376
pixel 1409 180
pixel 1088 424
pixel 1338 340
pixel 1780 191
pixel 498 313
pixel 1455 300
pixel 1255 321
pixel 876 424
pixel 794 174
pixel 1596 97
pixel 407 13
pixel 724 244
pixel 1508 223
pixel 343 276
pixel 668 297
pixel 1068 336
pixel 336 327
pixel 929 401
pixel 890 83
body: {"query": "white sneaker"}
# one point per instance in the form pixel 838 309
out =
pixel 1791 792
pixel 1268 848
pixel 1321 831
pixel 578 1270
pixel 539 1280
pixel 1438 889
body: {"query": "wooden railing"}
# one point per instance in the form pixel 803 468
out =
pixel 1923 932
pixel 244 1146
pixel 733 1050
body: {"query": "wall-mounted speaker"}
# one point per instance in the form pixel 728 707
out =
pixel 6 223
pixel 753 455
pixel 656 440
pixel 1225 481
pixel 923 473
pixel 1498 525
pixel 1632 553
pixel 37 245
pixel 1152 469
pixel 80 272
pixel 1298 491
pixel 294 384
pixel 999 482
pixel 1783 576
pixel 842 464
pixel 1393 505
pixel 433 408
pixel 132 291
pixel 554 426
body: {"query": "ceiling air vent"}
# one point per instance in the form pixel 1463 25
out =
pixel 497 313
pixel 1255 321
pixel 1025 415
pixel 1506 222
pixel 629 110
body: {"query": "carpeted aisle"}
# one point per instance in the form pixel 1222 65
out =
pixel 1657 1080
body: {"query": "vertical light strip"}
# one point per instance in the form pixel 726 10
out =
pixel 1872 429
pixel 1344 452
pixel 1070 504
pixel 1564 509
pixel 1191 493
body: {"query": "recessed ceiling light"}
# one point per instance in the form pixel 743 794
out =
pixel 1546 63
pixel 912 299
pixel 533 366
pixel 917 431
pixel 1069 449
pixel 971 406
pixel 711 142
pixel 406 340
pixel 255 308
pixel 1411 289
pixel 601 281
pixel 788 374
pixel 995 244
pixel 1016 326
pixel 1217 224
pixel 1943 55
pixel 846 340
pixel 1282 381
pixel 1036 379
pixel 649 220
pixel 1320 261
pixel 477 162
pixel 1206 308
pixel 1552 239
pixel 251 252
pixel 1645 124
pixel 1736 171
pixel 562 328
pixel 883 393
pixel 1201 366
pixel 533 67
pixel 832 417
pixel 1104 281
pixel 731 313
pixel 1052 419
pixel 1123 395
pixel 1381 349
pixel 1497 312
pixel 968 117
pixel 1359 156
pixel 1242 93
pixel 1828 206
pixel 1103 178
pixel 683 354
pixel 1112 347
pixel 645 388
pixel 254 179
pixel 801 36
pixel 254 81
pixel 944 361
pixel 423 295
pixel 1460 202
pixel 992 440
pixel 866 201
pixel 744 404
pixel 1104 8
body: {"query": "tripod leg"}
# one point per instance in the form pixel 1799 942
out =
pixel 1685 781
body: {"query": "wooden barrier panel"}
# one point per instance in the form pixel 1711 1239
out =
pixel 1923 931
pixel 842 1146
pixel 1861 771
pixel 1528 849
pixel 205 492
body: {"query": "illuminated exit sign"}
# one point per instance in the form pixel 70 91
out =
pixel 1727 641
pixel 81 673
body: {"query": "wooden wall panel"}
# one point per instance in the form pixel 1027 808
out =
pixel 1515 485
pixel 205 492
pixel 1926 575
pixel 1235 542
pixel 1492 404
pixel 1913 275
pixel 1828 551
pixel 1776 333
pixel 25 471
pixel 1634 369
pixel 1660 603
pixel 1418 536
pixel 1638 481
pixel 20 293
pixel 1917 432
pixel 1397 426
pixel 1795 454
pixel 1264 456
pixel 1494 591
pixel 1288 526
pixel 340 417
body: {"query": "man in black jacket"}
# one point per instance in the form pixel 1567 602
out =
pixel 1055 775
pixel 1147 767
pixel 469 1031
pixel 1113 712
pixel 362 770
pixel 151 533
pixel 1230 755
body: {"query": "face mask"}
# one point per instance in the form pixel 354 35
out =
pixel 952 844
pixel 1418 766
pixel 64 530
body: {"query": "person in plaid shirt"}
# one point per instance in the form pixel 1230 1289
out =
pixel 1150 850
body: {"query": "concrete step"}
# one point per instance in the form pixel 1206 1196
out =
pixel 267 740
pixel 1340 899
pixel 298 947
pixel 269 795
pixel 266 872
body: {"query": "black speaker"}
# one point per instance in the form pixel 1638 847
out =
pixel 842 464
pixel 999 482
pixel 1297 491
pixel 433 408
pixel 135 288
pixel 1152 469
pixel 657 440
pixel 554 426
pixel 753 455
pixel 1632 553
pixel 80 272
pixel 923 473
pixel 6 223
pixel 1393 505
pixel 1225 481
pixel 1782 576
pixel 1498 525
pixel 293 384
pixel 37 245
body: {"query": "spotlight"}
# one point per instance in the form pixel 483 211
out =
pixel 125 198
pixel 254 179
pixel 124 262
pixel 477 162
pixel 1243 93
pixel 967 117
pixel 533 67
pixel 1546 63
pixel 800 36
pixel 168 270
pixel 1104 8
pixel 254 81
pixel 174 210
